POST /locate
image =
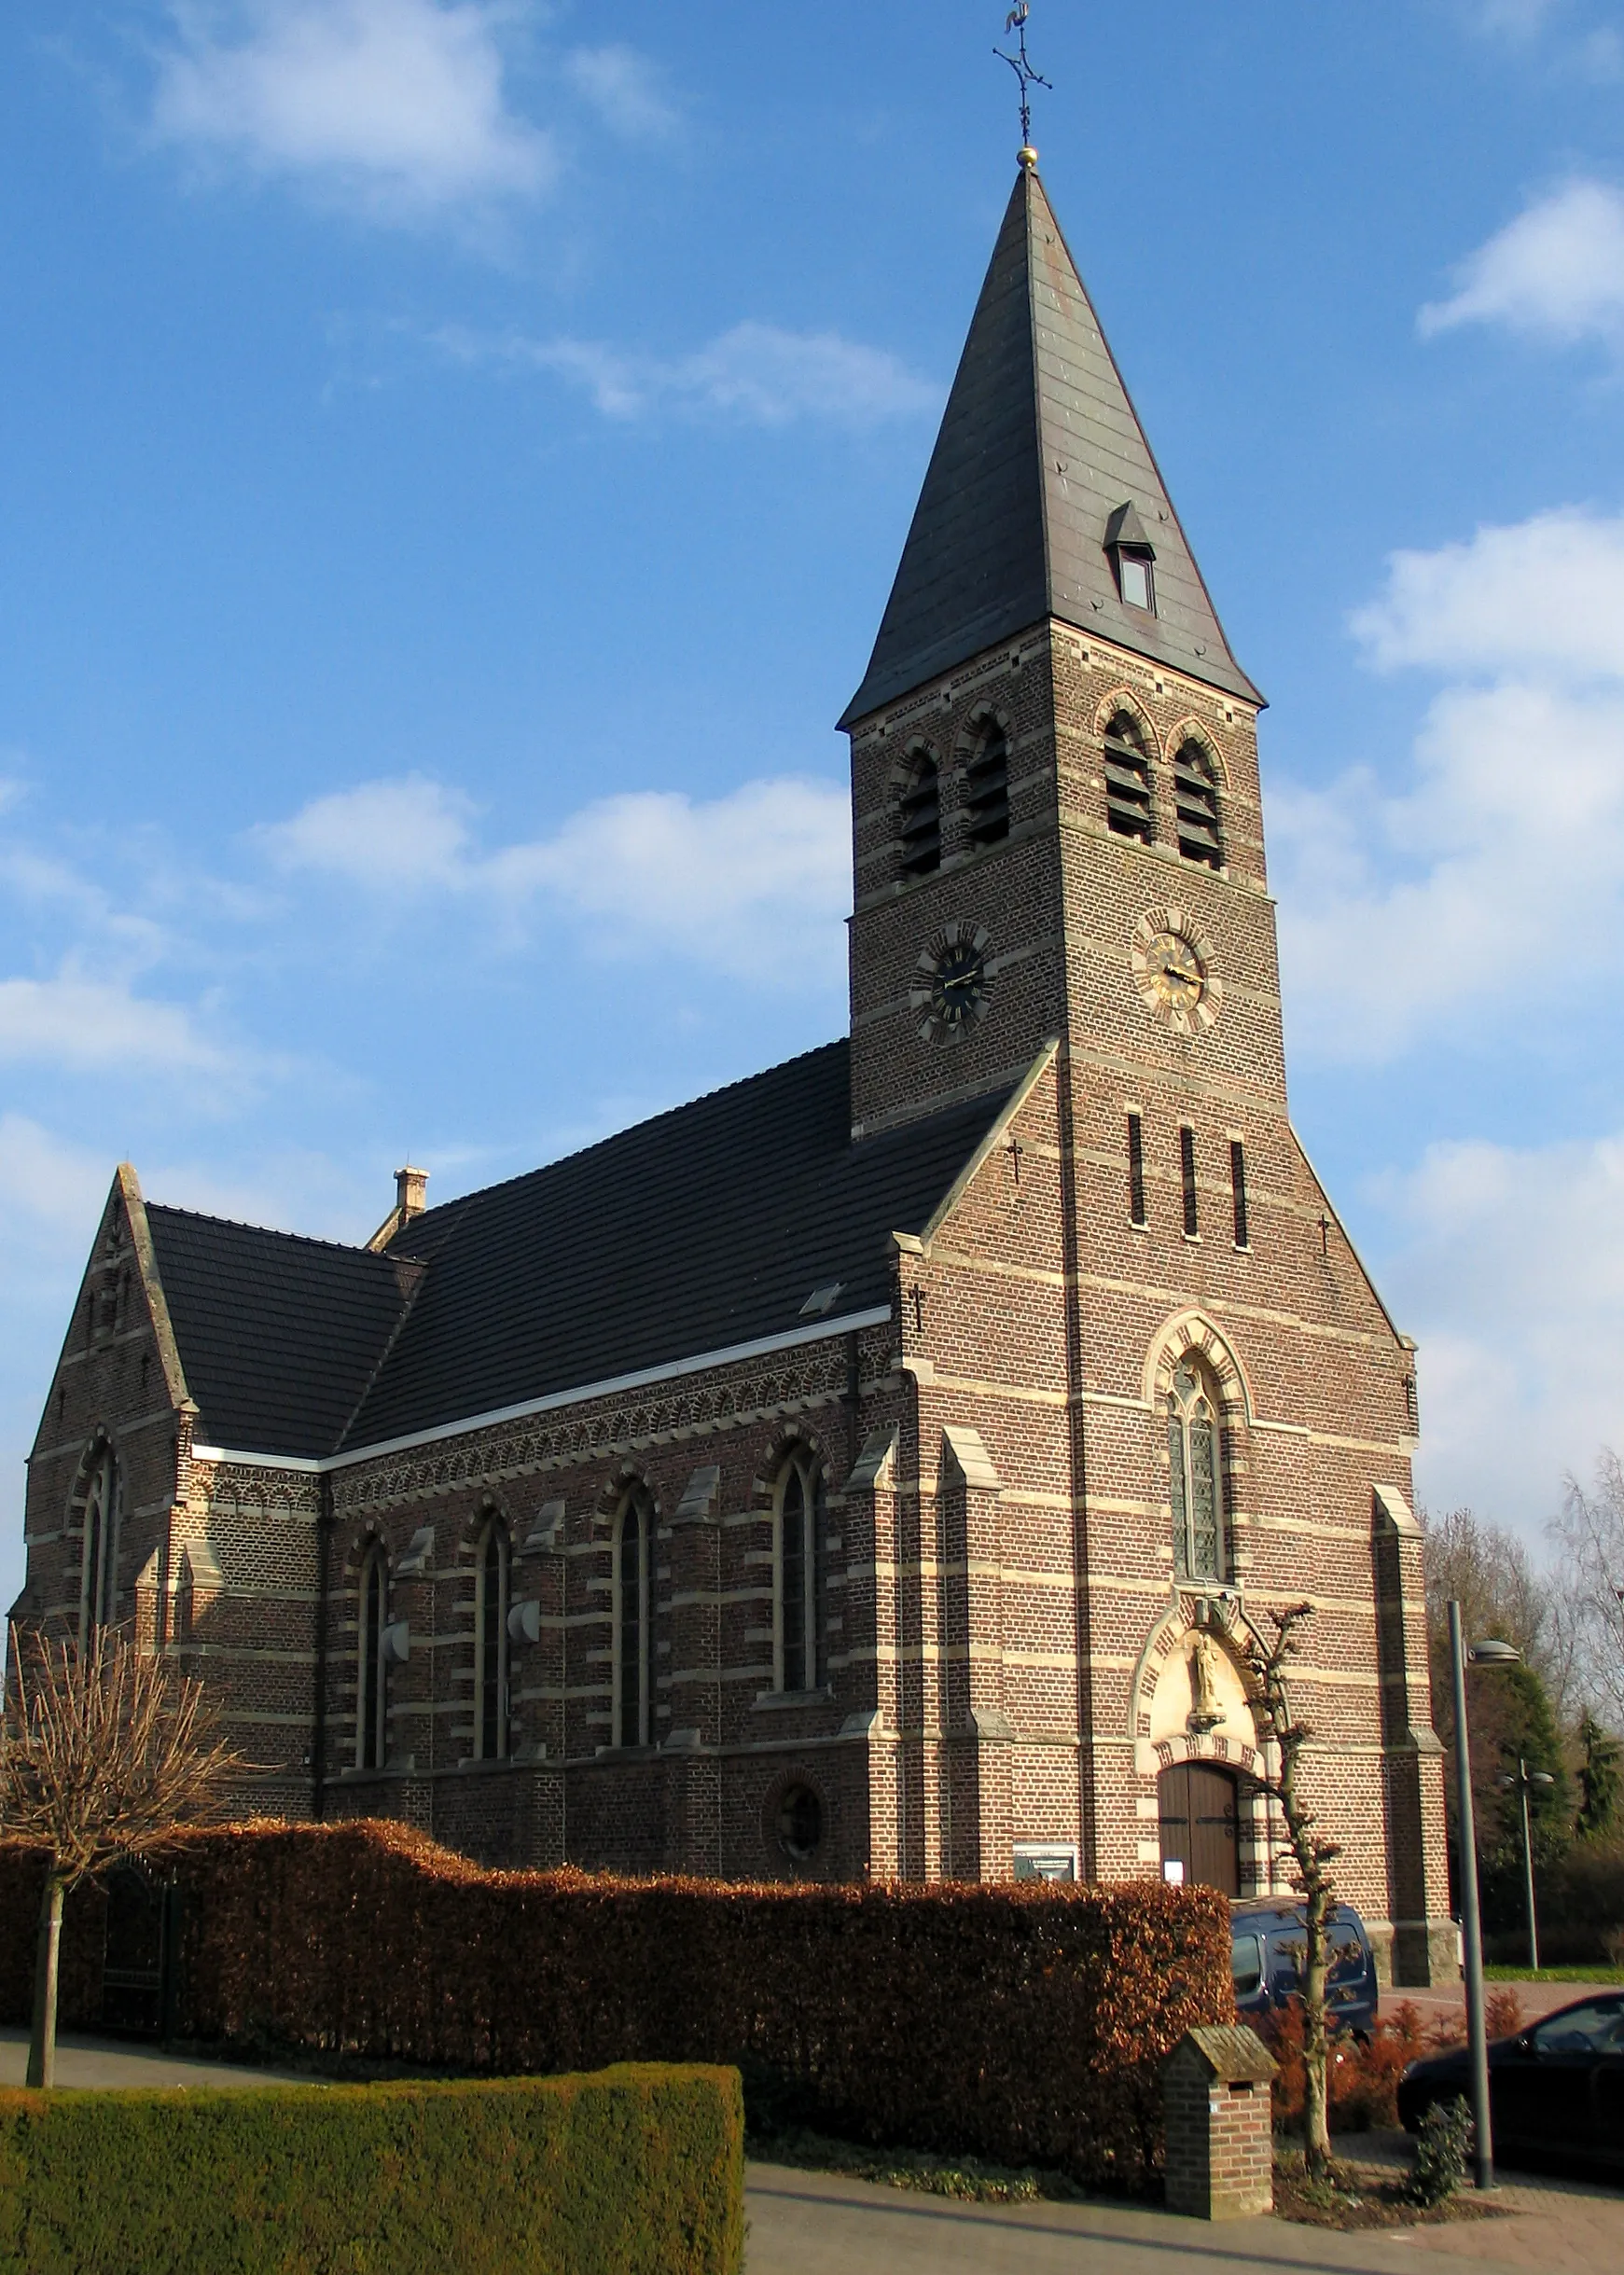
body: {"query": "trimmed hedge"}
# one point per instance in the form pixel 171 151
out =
pixel 640 2169
pixel 1022 2023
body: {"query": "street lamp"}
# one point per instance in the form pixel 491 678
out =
pixel 1491 1654
pixel 1521 1784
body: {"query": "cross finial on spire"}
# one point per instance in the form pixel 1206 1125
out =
pixel 1020 63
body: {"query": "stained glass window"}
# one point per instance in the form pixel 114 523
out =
pixel 632 1580
pixel 1194 1478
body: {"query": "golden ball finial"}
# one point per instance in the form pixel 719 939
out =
pixel 1026 155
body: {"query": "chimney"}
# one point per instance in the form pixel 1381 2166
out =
pixel 409 1186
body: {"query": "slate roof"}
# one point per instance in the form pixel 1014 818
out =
pixel 702 1228
pixel 1039 445
pixel 278 1336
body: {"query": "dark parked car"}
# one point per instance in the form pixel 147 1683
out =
pixel 1267 1959
pixel 1555 2089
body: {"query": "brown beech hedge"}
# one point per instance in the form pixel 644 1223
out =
pixel 1021 2023
pixel 640 2169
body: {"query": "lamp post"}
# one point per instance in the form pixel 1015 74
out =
pixel 1521 1784
pixel 1482 1655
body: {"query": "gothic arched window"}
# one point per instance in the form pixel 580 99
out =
pixel 920 817
pixel 987 785
pixel 371 1679
pixel 490 1643
pixel 799 1566
pixel 1128 806
pixel 1195 1457
pixel 633 1653
pixel 99 1568
pixel 1195 791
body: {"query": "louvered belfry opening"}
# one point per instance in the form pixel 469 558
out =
pixel 1196 798
pixel 921 818
pixel 987 786
pixel 1127 806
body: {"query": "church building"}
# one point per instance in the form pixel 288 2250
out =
pixel 876 1467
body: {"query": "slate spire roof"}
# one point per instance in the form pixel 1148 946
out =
pixel 1039 447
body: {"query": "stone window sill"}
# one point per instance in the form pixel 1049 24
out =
pixel 770 1700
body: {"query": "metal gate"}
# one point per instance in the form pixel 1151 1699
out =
pixel 138 1966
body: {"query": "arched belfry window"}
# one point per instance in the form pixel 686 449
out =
pixel 490 1590
pixel 800 1571
pixel 371 1676
pixel 920 817
pixel 1195 1488
pixel 633 1645
pixel 1195 791
pixel 99 1568
pixel 987 785
pixel 1128 804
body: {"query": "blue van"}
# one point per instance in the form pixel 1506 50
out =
pixel 1266 1958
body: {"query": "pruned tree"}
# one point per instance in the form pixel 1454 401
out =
pixel 1284 1739
pixel 103 1753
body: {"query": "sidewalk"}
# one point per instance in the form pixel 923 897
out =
pixel 114 2062
pixel 818 2224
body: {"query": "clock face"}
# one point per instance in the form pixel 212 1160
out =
pixel 1173 969
pixel 948 994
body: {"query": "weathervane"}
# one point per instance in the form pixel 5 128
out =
pixel 1020 63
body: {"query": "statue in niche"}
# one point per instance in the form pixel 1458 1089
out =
pixel 1205 1713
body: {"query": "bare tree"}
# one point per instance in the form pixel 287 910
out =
pixel 1588 1537
pixel 103 1753
pixel 1284 1739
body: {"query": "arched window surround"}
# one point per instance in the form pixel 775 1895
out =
pixel 1190 1338
pixel 633 1597
pixel 799 1575
pixel 493 1586
pixel 918 812
pixel 1127 750
pixel 983 754
pixel 1199 783
pixel 371 1668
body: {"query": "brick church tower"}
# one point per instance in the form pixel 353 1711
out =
pixel 879 1466
pixel 1059 844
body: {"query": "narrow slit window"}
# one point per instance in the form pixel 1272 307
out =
pixel 632 1577
pixel 1187 1155
pixel 1128 804
pixel 490 1643
pixel 1135 1169
pixel 1195 793
pixel 921 818
pixel 1237 1186
pixel 987 786
pixel 803 1583
pixel 371 1707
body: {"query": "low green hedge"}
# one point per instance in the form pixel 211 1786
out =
pixel 638 2169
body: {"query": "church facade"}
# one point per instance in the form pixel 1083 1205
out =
pixel 876 1467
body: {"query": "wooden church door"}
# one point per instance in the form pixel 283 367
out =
pixel 1197 1804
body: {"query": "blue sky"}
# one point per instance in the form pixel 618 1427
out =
pixel 452 459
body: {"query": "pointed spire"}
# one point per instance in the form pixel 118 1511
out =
pixel 1040 467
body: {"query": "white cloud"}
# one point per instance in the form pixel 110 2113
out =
pixel 88 1025
pixel 48 1181
pixel 1514 20
pixel 399 104
pixel 625 89
pixel 1494 878
pixel 1546 595
pixel 1507 1266
pixel 759 372
pixel 753 884
pixel 385 835
pixel 1556 272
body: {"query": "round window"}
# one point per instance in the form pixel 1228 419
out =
pixel 801 1822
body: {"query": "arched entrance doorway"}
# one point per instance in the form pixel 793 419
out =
pixel 1198 1807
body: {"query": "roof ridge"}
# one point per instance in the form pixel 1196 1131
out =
pixel 268 1232
pixel 724 1089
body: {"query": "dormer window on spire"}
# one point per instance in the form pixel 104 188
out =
pixel 1132 558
